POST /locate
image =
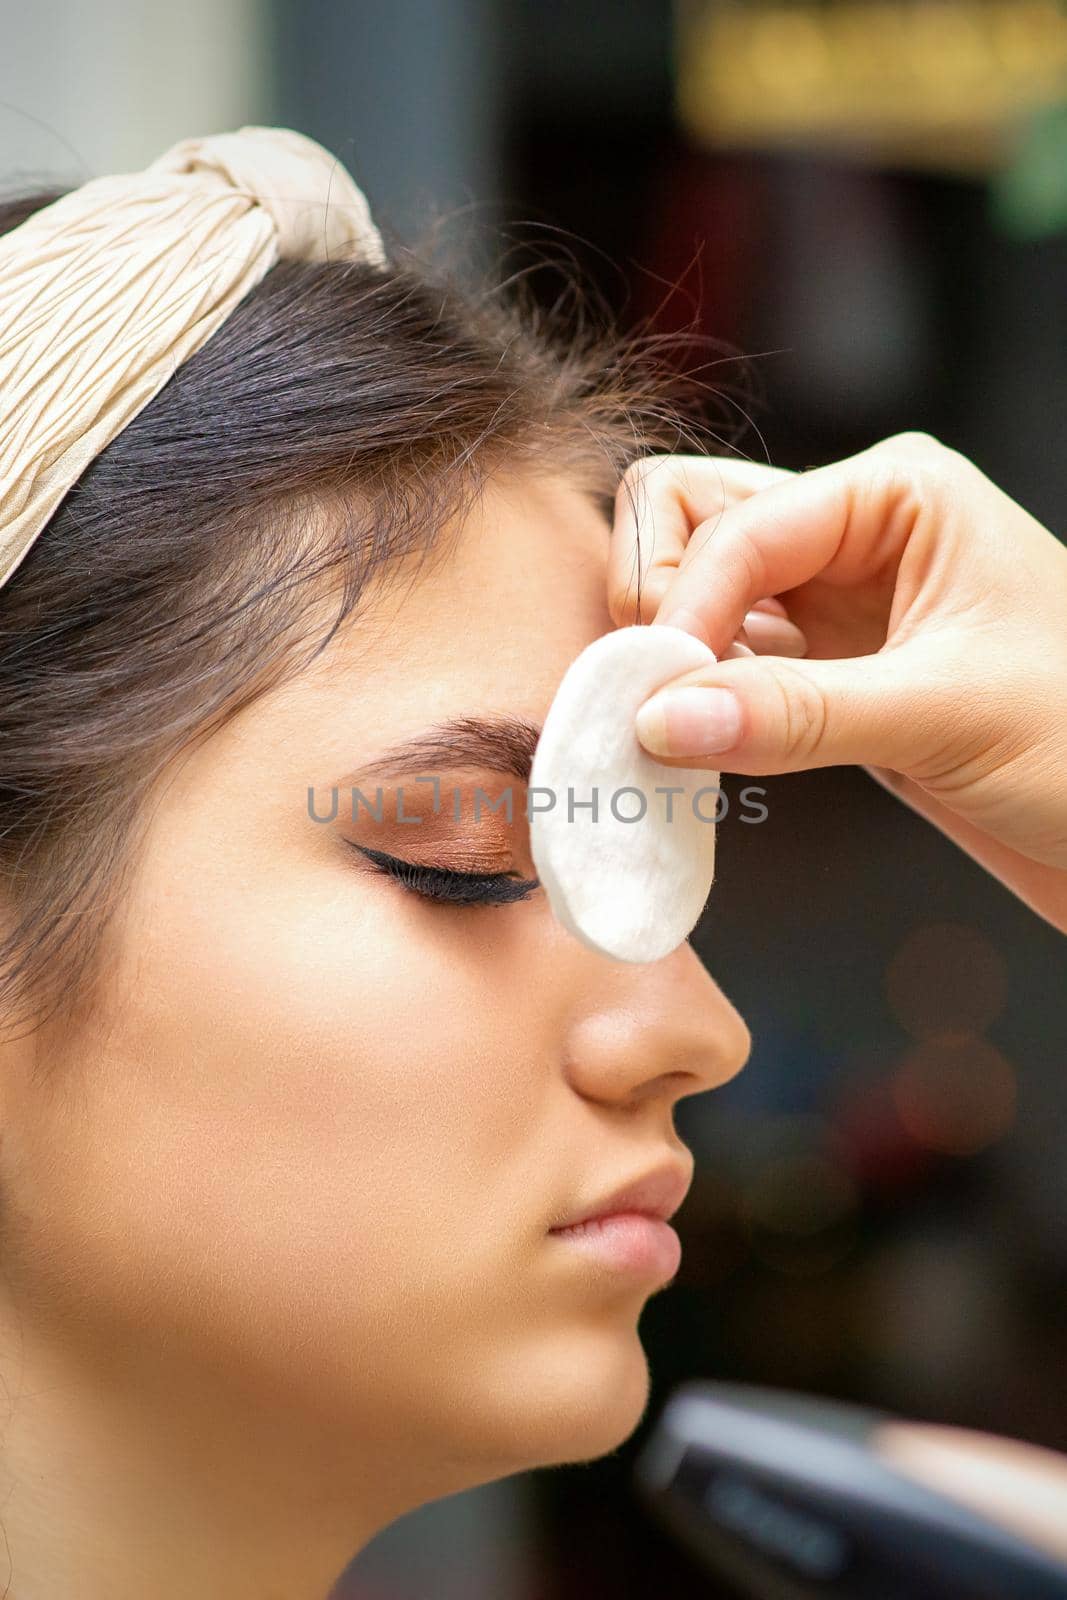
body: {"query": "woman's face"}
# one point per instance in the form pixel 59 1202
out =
pixel 293 1185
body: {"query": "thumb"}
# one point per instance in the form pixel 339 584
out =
pixel 764 714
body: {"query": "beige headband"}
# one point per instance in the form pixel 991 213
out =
pixel 105 292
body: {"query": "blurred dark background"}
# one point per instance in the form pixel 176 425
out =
pixel 866 206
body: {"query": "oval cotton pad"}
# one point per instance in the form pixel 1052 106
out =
pixel 633 882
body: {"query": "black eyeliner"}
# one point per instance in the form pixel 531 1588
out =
pixel 445 885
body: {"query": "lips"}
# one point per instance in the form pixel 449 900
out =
pixel 657 1193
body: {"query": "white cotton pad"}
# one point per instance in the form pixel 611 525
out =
pixel 632 883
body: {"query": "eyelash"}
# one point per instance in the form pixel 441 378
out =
pixel 443 885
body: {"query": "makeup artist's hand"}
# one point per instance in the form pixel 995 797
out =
pixel 1023 1487
pixel 932 649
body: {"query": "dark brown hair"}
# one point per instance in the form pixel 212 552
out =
pixel 339 419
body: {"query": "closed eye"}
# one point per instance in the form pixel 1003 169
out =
pixel 443 884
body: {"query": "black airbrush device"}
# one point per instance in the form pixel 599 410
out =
pixel 787 1498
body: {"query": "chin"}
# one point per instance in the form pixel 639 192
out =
pixel 559 1399
pixel 580 1397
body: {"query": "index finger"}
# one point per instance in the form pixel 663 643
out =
pixel 659 502
pixel 839 522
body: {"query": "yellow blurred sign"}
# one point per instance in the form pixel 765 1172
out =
pixel 942 84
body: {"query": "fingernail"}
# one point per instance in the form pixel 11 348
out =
pixel 689 722
pixel 774 636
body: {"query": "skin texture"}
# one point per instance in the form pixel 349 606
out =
pixel 275 1265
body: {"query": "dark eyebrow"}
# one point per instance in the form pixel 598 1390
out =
pixel 500 744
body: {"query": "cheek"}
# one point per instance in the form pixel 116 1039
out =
pixel 306 1118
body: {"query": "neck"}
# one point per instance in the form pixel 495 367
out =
pixel 121 1479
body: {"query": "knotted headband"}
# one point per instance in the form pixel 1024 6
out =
pixel 105 292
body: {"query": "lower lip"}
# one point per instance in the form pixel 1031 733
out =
pixel 627 1241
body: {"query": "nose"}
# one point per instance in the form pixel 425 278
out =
pixel 661 1030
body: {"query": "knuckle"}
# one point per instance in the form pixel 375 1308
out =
pixel 805 715
pixel 913 439
pixel 635 474
pixel 744 549
pixel 903 456
pixel 670 468
pixel 923 454
pixel 913 464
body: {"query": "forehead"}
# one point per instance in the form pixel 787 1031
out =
pixel 517 590
pixel 488 625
